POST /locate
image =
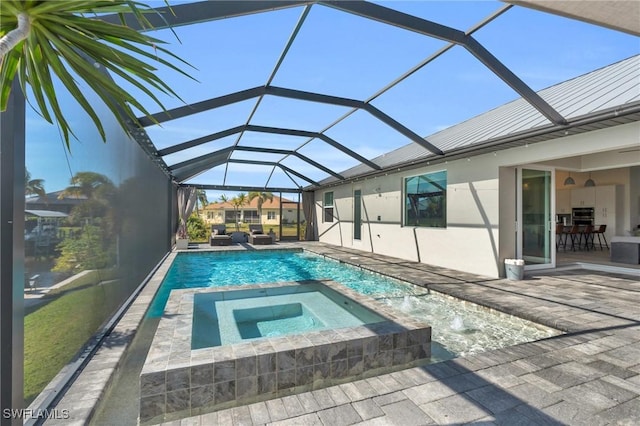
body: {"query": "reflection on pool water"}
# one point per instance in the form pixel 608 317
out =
pixel 461 328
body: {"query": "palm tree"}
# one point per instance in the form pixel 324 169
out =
pixel 90 185
pixel 201 198
pixel 223 199
pixel 63 36
pixel 262 197
pixel 237 202
pixel 99 194
pixel 33 186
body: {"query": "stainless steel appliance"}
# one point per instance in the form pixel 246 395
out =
pixel 563 219
pixel 582 216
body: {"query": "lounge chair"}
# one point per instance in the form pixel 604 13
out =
pixel 257 235
pixel 219 236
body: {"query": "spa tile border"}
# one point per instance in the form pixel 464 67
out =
pixel 177 381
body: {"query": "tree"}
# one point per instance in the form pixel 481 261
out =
pixel 33 186
pixel 91 185
pixel 100 196
pixel 89 251
pixel 201 198
pixel 64 37
pixel 262 197
pixel 237 202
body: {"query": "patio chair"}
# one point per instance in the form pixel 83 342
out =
pixel 257 236
pixel 219 236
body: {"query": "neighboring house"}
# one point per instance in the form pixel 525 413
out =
pixel 51 202
pixel 218 213
pixel 504 181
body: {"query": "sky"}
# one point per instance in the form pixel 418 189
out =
pixel 342 55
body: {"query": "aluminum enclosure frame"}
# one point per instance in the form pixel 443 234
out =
pixel 12 145
pixel 265 129
pixel 12 205
pixel 213 10
pixel 244 95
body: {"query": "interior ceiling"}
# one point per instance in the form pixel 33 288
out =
pixel 232 148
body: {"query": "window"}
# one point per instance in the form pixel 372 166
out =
pixel 328 207
pixel 271 215
pixel 426 200
pixel 231 216
pixel 251 216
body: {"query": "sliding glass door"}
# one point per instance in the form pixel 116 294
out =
pixel 535 201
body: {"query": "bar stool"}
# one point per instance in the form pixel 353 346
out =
pixel 600 231
pixel 574 233
pixel 559 234
pixel 587 233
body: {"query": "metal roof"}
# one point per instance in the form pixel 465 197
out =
pixel 612 90
pixel 46 213
pixel 535 115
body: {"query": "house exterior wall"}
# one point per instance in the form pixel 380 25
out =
pixel 480 204
pixel 217 216
pixel 289 213
pixel 265 216
pixel 212 216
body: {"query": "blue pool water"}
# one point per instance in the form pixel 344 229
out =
pixel 294 318
pixel 227 317
pixel 218 269
pixel 458 328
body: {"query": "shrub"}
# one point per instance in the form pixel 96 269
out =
pixel 196 228
pixel 88 251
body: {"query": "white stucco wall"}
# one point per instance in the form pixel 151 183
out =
pixel 471 241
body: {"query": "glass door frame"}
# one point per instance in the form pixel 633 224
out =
pixel 550 224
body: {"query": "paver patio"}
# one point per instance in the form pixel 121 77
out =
pixel 590 375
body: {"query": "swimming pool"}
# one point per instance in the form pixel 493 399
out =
pixel 217 269
pixel 460 328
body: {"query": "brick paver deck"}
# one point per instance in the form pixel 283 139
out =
pixel 591 375
pixel 588 376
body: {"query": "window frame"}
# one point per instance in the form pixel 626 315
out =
pixel 436 221
pixel 327 209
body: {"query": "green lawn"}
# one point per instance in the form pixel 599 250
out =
pixel 56 332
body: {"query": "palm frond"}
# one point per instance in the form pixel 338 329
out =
pixel 65 39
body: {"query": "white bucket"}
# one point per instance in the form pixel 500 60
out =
pixel 514 269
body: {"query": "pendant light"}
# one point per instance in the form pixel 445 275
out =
pixel 569 180
pixel 589 181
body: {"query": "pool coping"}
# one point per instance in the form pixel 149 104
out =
pixel 177 380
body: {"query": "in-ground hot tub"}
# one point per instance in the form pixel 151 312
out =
pixel 229 317
pixel 216 348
